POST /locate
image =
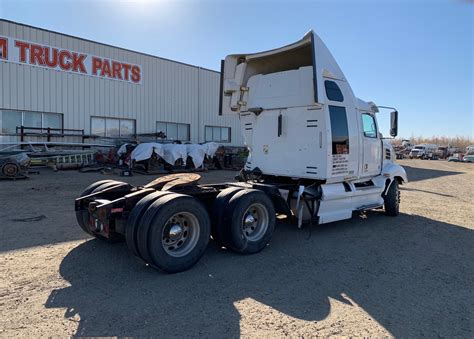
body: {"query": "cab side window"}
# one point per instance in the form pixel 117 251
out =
pixel 369 126
pixel 333 92
pixel 339 130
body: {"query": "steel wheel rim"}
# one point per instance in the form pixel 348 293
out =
pixel 10 170
pixel 180 234
pixel 255 222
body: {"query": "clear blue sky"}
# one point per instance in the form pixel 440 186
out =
pixel 415 55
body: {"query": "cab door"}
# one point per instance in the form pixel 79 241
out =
pixel 371 147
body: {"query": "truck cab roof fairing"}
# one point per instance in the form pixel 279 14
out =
pixel 238 68
pixel 308 51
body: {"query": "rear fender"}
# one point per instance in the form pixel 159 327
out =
pixel 117 190
pixel 278 201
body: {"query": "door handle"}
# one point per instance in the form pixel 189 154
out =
pixel 280 124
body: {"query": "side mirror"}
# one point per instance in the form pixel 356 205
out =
pixel 394 123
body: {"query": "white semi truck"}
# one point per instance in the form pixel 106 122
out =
pixel 424 151
pixel 315 153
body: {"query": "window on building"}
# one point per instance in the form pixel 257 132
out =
pixel 127 128
pixel 208 133
pixel 98 126
pixel 333 92
pixel 173 131
pixel 161 127
pixel 10 120
pixel 339 130
pixel 369 126
pixel 112 127
pixel 32 119
pixel 217 134
pixel 183 132
pixel 52 120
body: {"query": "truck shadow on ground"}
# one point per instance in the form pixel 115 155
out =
pixel 403 188
pixel 418 174
pixel 411 274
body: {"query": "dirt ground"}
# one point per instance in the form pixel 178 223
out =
pixel 410 276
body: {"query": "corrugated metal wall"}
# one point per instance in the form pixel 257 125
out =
pixel 169 91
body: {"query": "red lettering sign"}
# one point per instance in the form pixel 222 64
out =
pixel 70 61
pixel 36 55
pixel 96 65
pixel 116 70
pixel 65 60
pixel 126 68
pixel 78 63
pixel 51 57
pixel 136 77
pixel 3 48
pixel 105 69
pixel 23 46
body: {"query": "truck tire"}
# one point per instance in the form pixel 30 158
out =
pixel 142 228
pixel 103 184
pixel 219 230
pixel 250 217
pixel 82 216
pixel 10 169
pixel 177 234
pixel 135 219
pixel 392 199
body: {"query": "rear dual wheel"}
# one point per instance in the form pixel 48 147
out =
pixel 220 232
pixel 135 218
pixel 169 231
pixel 245 221
pixel 83 215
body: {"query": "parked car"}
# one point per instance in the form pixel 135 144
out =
pixel 468 158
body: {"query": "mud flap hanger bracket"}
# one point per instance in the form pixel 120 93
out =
pixel 304 197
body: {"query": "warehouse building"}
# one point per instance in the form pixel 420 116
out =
pixel 53 83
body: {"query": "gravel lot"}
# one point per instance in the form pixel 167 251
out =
pixel 369 276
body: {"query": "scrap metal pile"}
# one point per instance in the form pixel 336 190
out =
pixel 153 156
pixel 18 158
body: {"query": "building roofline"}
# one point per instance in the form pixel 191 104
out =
pixel 104 44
